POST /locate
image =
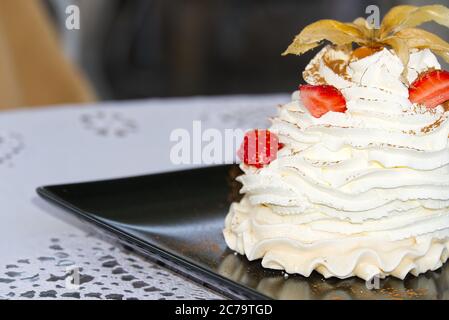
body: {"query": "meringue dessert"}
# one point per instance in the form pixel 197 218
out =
pixel 352 177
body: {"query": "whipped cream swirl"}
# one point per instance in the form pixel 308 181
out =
pixel 362 193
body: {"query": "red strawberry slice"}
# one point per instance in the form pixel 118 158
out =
pixel 259 148
pixel 322 99
pixel 430 89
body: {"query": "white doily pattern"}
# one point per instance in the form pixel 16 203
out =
pixel 93 142
pixel 104 272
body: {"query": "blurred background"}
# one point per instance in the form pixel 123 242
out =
pixel 130 49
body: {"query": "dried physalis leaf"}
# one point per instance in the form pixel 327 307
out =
pixel 397 31
pixel 443 54
pixel 338 33
pixel 403 52
pixel 395 18
pixel 421 39
pixel 401 17
pixel 364 28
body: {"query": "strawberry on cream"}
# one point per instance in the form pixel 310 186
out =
pixel 363 192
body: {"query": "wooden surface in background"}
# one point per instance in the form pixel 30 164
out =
pixel 33 69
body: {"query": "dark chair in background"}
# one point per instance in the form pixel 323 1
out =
pixel 146 48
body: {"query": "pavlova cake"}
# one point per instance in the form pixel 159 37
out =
pixel 352 178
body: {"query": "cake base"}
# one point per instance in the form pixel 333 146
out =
pixel 250 231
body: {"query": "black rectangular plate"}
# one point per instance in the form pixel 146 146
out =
pixel 177 218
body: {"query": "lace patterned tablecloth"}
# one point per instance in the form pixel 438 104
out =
pixel 38 248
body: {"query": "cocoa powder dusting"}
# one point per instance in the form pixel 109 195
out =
pixel 313 72
pixel 433 126
pixel 446 106
pixel 337 66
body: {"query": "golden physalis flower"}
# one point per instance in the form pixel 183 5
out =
pixel 397 31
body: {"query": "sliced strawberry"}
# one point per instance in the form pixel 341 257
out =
pixel 430 89
pixel 259 148
pixel 322 99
